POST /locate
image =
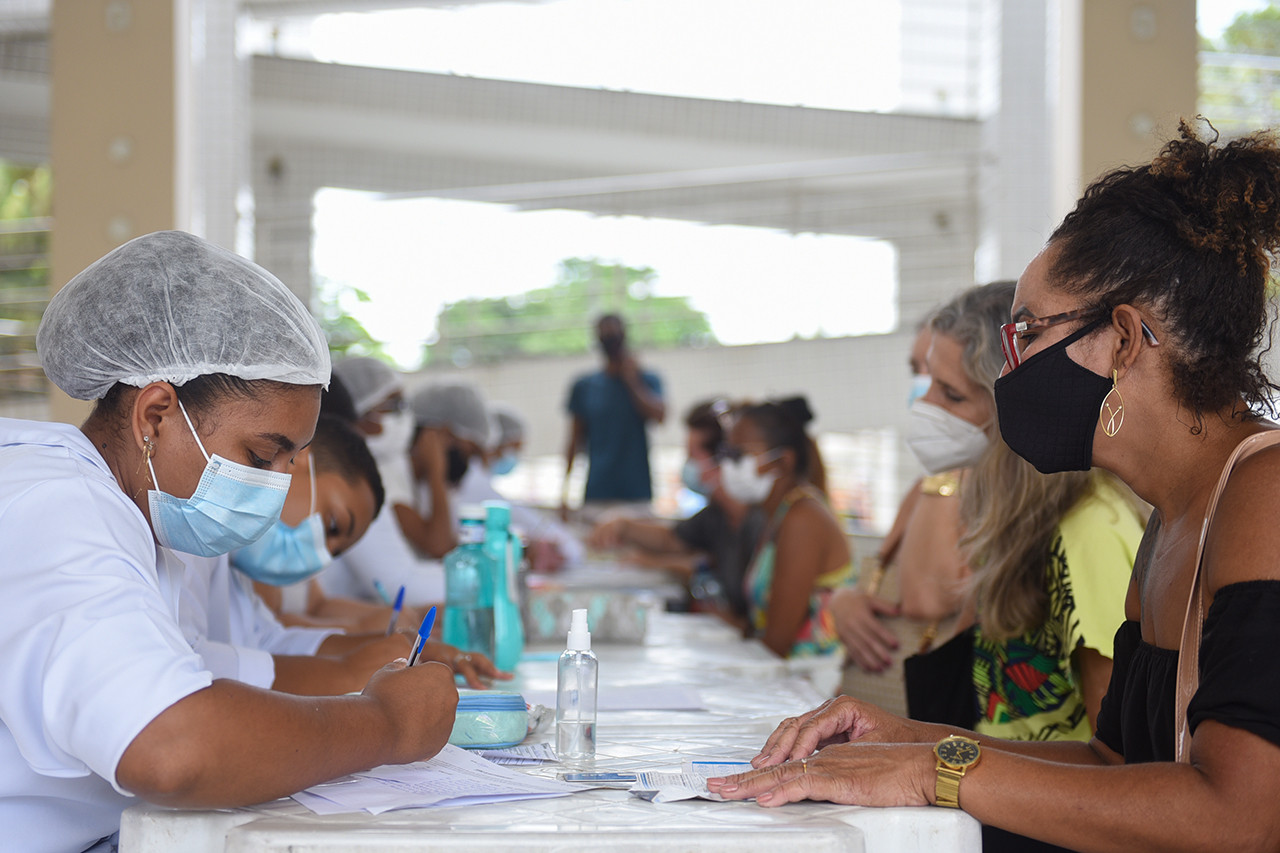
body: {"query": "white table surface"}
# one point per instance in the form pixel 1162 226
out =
pixel 747 691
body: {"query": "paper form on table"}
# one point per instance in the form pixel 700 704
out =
pixel 454 777
pixel 532 753
pixel 689 783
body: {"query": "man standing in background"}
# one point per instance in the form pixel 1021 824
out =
pixel 610 410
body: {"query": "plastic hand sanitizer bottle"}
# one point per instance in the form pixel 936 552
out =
pixel 468 588
pixel 502 549
pixel 576 682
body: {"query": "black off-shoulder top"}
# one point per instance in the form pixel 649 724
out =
pixel 1239 677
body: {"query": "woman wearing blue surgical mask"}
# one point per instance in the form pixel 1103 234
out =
pixel 325 512
pixel 769 461
pixel 206 372
pixel 235 632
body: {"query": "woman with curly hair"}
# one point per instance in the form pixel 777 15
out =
pixel 1135 346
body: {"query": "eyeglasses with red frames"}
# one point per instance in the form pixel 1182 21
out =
pixel 1011 334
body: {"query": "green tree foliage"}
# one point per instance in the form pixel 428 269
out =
pixel 25 194
pixel 1254 32
pixel 557 320
pixel 346 335
pixel 1240 74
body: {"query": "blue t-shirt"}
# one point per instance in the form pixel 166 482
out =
pixel 617 443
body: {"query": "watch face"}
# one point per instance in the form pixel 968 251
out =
pixel 957 752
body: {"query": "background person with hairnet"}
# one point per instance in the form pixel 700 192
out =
pixel 384 557
pixel 549 544
pixel 206 371
pixel 451 420
pixel 382 417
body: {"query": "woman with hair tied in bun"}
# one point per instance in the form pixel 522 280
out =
pixel 1135 346
pixel 771 462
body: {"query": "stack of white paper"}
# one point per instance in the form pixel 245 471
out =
pixel 454 777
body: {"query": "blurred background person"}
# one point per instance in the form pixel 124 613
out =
pixel 609 411
pixel 384 557
pixel 710 548
pixel 549 544
pixel 771 462
pixel 908 591
pixel 451 429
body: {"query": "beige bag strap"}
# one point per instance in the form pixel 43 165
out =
pixel 1193 623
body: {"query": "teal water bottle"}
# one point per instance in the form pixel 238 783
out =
pixel 503 551
pixel 468 588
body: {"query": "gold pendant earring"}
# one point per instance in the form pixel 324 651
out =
pixel 148 450
pixel 1112 416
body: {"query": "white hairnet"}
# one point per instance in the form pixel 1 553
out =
pixel 457 405
pixel 171 306
pixel 510 424
pixel 368 380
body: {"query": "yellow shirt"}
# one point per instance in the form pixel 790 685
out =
pixel 1026 688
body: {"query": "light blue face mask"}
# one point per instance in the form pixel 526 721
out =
pixel 920 383
pixel 504 464
pixel 287 555
pixel 232 506
pixel 691 476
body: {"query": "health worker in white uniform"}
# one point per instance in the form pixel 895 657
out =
pixel 550 545
pixel 386 556
pixel 206 372
pixel 326 511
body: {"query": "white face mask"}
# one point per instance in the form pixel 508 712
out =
pixel 742 480
pixel 942 441
pixel 393 441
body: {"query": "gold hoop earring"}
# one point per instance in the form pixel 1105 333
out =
pixel 1112 416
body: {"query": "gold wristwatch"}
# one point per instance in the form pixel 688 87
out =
pixel 955 756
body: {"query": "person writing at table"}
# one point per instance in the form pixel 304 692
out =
pixel 325 513
pixel 206 372
pixel 386 555
pixel 1134 345
pixel 326 509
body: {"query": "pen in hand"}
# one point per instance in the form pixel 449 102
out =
pixel 382 592
pixel 395 611
pixel 428 622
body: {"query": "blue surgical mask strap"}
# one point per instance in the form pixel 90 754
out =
pixel 204 453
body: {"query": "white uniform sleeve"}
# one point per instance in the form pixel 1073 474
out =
pixel 92 650
pixel 384 555
pixel 260 629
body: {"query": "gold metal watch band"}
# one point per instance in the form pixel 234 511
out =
pixel 947 791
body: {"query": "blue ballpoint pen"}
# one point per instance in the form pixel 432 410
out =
pixel 395 611
pixel 382 592
pixel 428 622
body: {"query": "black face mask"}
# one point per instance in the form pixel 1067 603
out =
pixel 1048 407
pixel 456 464
pixel 611 345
